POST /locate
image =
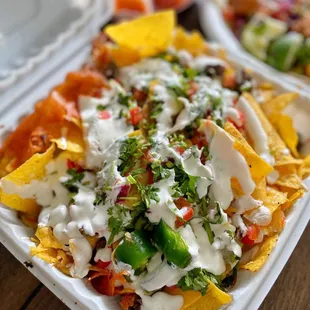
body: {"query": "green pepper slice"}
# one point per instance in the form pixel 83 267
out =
pixel 172 245
pixel 135 250
pixel 283 52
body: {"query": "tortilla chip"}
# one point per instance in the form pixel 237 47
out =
pixel 279 103
pixel 58 258
pixel 276 145
pixel 274 199
pixel 49 255
pixel 124 56
pixel 304 170
pixel 258 167
pixel 213 300
pixel 141 34
pixel 47 238
pixel 292 199
pixel 289 182
pixel 281 122
pixel 32 169
pixel 67 145
pixel 192 42
pixel 277 223
pixel 189 297
pixel 260 192
pixel 262 254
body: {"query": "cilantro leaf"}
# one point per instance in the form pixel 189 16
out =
pixel 71 184
pixel 147 192
pixel 198 280
pixel 157 108
pixel 100 198
pixel 131 151
pixel 124 99
pixel 159 172
pixel 186 185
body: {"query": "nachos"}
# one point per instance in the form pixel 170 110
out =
pixel 157 171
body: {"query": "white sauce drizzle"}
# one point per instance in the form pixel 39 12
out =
pixel 256 131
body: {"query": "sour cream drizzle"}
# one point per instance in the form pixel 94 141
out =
pixel 256 131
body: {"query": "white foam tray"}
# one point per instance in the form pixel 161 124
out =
pixel 216 29
pixel 77 294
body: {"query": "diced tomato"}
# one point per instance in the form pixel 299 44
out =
pixel 139 95
pixel 104 114
pixel 251 235
pixel 136 115
pixel 101 264
pixel 182 202
pixel 188 213
pixel 199 140
pixel 180 150
pixel 135 5
pixel 72 165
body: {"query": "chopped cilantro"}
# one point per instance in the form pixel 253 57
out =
pixel 100 107
pixel 186 185
pixel 131 151
pixel 157 108
pixel 190 73
pixel 159 172
pixel 147 192
pixel 71 184
pixel 198 280
pixel 100 198
pixel 124 99
pixel 210 233
pixel 177 91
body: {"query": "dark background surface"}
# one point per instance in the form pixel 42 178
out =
pixel 19 289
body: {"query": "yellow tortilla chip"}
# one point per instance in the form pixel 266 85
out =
pixel 258 167
pixel 289 182
pixel 277 223
pixel 67 145
pixel 32 169
pixel 49 255
pixel 279 103
pixel 276 145
pixel 124 55
pixel 281 122
pixel 292 199
pixel 193 300
pixel 304 170
pixel 148 35
pixel 193 42
pixel 274 199
pixel 213 300
pixel 260 192
pixel 58 258
pixel 262 254
pixel 189 297
pixel 47 238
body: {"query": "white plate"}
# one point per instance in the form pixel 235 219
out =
pixel 250 289
pixel 216 29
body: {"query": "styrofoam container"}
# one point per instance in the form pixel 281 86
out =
pixel 250 289
pixel 216 29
